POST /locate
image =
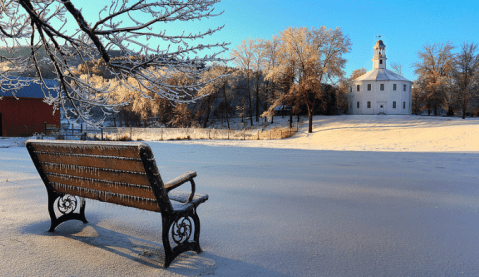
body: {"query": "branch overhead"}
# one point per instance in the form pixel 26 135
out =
pixel 136 31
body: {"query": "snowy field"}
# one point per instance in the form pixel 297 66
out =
pixel 360 196
pixel 375 133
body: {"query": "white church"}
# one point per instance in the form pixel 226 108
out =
pixel 380 91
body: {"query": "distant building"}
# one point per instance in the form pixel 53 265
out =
pixel 380 91
pixel 27 114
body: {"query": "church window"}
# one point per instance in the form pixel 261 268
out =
pixel 380 61
pixel 404 105
pixel 351 89
pixel 357 105
pixel 404 87
pixel 357 87
pixel 381 86
pixel 394 104
pixel 369 87
pixel 369 104
pixel 394 86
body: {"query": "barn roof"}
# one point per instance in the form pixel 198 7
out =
pixel 33 90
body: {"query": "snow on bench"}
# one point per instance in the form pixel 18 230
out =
pixel 123 173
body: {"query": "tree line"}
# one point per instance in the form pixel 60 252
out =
pixel 446 80
pixel 297 72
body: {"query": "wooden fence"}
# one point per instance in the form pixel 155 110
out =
pixel 156 134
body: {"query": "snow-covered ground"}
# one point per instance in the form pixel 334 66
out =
pixel 360 196
pixel 375 133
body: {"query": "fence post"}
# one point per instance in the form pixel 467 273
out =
pixel 161 133
pixel 258 134
pixel 228 134
pixel 101 130
pixel 130 133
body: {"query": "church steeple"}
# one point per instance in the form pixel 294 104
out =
pixel 379 59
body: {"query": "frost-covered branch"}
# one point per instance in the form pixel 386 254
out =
pixel 129 37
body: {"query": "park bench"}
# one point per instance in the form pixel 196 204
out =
pixel 123 173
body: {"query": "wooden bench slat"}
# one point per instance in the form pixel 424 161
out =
pixel 98 162
pixel 128 151
pixel 137 191
pixel 96 173
pixel 123 200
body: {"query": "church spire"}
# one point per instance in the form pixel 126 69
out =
pixel 379 59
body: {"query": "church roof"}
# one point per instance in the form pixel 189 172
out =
pixel 381 74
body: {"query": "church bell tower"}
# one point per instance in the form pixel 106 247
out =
pixel 379 59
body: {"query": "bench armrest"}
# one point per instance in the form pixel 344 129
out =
pixel 178 181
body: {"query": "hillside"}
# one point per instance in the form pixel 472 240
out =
pixel 24 51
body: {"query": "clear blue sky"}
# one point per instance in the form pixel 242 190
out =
pixel 405 26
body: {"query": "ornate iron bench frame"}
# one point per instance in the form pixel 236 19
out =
pixel 120 173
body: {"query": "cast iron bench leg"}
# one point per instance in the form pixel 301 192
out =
pixel 179 226
pixel 66 205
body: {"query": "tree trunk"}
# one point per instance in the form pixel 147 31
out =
pixel 272 99
pixel 310 106
pixel 291 117
pixel 310 127
pixel 226 105
pixel 257 97
pixel 208 110
pixel 310 117
pixel 249 100
pixel 450 111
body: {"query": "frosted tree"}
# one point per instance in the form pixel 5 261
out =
pixel 142 106
pixel 417 95
pixel 205 105
pixel 182 116
pixel 272 75
pixel 217 73
pixel 342 95
pixel 358 73
pixel 397 68
pixel 434 70
pixel 243 58
pixel 317 55
pixel 259 60
pixel 150 53
pixel 466 75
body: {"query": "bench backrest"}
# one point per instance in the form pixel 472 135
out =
pixel 123 173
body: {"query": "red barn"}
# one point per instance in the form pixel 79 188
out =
pixel 27 114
